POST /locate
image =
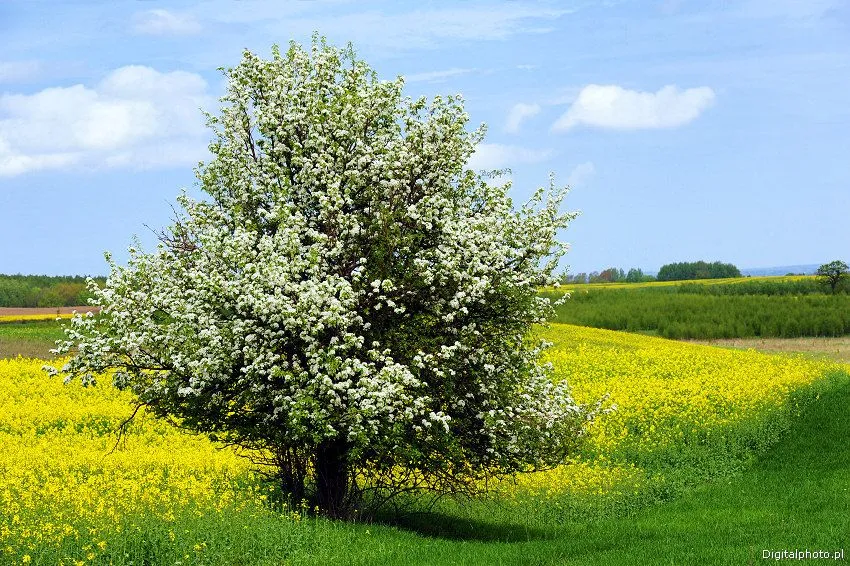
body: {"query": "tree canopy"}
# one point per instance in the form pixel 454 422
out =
pixel 697 270
pixel 833 273
pixel 349 303
pixel 44 290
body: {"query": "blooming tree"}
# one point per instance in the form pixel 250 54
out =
pixel 350 304
pixel 833 273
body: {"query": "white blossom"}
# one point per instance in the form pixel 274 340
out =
pixel 347 280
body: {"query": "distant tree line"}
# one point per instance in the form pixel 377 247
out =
pixel 610 275
pixel 697 270
pixel 44 290
pixel 682 271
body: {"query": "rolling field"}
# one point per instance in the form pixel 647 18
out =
pixel 689 419
pixel 32 332
pixel 836 349
pixel 29 338
pixel 23 314
pixel 769 307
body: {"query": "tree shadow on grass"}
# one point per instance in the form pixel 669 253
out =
pixel 446 526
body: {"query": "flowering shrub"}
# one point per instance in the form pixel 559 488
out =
pixel 351 303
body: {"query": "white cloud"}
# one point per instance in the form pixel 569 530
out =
pixel 163 22
pixel 436 76
pixel 13 163
pixel 490 156
pixel 14 71
pixel 136 116
pixel 423 27
pixel 581 174
pixel 518 114
pixel 611 106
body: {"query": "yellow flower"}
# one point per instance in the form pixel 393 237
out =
pixel 668 394
pixel 57 438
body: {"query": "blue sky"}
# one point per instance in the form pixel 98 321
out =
pixel 688 130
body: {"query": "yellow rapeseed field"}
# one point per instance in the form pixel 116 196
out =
pixel 60 479
pixel 32 317
pixel 671 398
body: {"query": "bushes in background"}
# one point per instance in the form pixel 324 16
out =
pixel 43 291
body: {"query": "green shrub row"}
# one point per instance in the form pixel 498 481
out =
pixel 807 286
pixel 706 316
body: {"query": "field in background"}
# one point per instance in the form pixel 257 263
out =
pixel 30 339
pixel 783 307
pixel 836 349
pixel 33 332
pixel 16 314
pixel 50 313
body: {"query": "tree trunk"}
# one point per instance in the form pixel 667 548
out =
pixel 332 479
pixel 292 470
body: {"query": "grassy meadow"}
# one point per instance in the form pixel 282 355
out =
pixel 776 307
pixel 703 441
pixel 31 338
pixel 836 349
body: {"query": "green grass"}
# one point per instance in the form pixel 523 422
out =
pixel 29 339
pixel 796 497
pixel 681 312
pixel 746 307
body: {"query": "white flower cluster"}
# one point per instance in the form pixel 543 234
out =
pixel 347 279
